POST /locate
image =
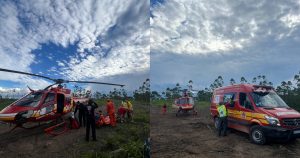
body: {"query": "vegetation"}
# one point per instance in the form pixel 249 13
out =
pixel 288 90
pixel 125 140
pixel 5 102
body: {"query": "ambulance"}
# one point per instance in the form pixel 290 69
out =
pixel 258 111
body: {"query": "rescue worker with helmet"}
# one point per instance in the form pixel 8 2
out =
pixel 222 126
pixel 110 108
pixel 90 119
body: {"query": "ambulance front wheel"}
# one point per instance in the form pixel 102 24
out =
pixel 257 135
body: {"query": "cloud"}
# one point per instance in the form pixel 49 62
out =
pixel 200 40
pixel 112 37
pixel 202 27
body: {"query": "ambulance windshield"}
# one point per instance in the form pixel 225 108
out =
pixel 268 100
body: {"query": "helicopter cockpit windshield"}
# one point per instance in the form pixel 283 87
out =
pixel 31 100
pixel 186 101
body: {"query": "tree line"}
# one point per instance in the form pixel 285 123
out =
pixel 141 94
pixel 288 90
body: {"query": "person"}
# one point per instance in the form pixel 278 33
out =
pixel 164 109
pixel 129 110
pixel 99 118
pixel 121 112
pixel 90 119
pixel 81 116
pixel 110 108
pixel 222 126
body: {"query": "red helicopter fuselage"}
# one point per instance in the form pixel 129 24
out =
pixel 39 106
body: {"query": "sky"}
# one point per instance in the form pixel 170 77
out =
pixel 199 40
pixel 106 41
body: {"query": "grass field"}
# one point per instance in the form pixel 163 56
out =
pixel 124 140
pixel 160 103
pixel 5 102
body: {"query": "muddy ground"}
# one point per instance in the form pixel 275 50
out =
pixel 195 136
pixel 125 139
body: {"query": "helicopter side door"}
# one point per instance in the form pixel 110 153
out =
pixel 48 104
pixel 60 103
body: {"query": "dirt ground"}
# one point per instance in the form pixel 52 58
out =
pixel 31 143
pixel 191 136
pixel 34 142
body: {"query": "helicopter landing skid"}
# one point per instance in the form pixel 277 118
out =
pixel 21 126
pixel 50 130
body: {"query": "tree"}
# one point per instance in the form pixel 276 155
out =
pixel 297 79
pixel 190 85
pixel 243 80
pixel 155 95
pixel 217 83
pixel 232 81
pixel 254 80
pixel 143 93
pixel 262 80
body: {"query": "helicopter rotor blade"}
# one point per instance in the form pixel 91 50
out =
pixel 57 81
pixel 26 73
pixel 112 84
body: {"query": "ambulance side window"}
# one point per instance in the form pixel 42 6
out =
pixel 245 101
pixel 228 98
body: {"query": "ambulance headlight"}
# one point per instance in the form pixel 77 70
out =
pixel 272 120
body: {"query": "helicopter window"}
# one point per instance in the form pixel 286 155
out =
pixel 191 101
pixel 186 101
pixel 50 97
pixel 182 101
pixel 32 99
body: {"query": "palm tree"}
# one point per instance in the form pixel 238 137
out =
pixel 232 81
pixel 190 85
pixel 243 80
pixel 254 80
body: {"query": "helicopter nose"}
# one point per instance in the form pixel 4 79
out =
pixel 7 117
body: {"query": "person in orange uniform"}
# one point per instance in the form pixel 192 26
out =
pixel 110 108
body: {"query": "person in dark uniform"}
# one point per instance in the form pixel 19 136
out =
pixel 81 115
pixel 90 119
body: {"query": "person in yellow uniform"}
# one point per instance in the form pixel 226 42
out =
pixel 222 126
pixel 129 110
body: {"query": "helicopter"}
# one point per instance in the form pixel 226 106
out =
pixel 49 104
pixel 184 104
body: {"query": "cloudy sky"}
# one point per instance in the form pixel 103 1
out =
pixel 107 41
pixel 201 39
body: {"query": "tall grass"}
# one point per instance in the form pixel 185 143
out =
pixel 5 102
